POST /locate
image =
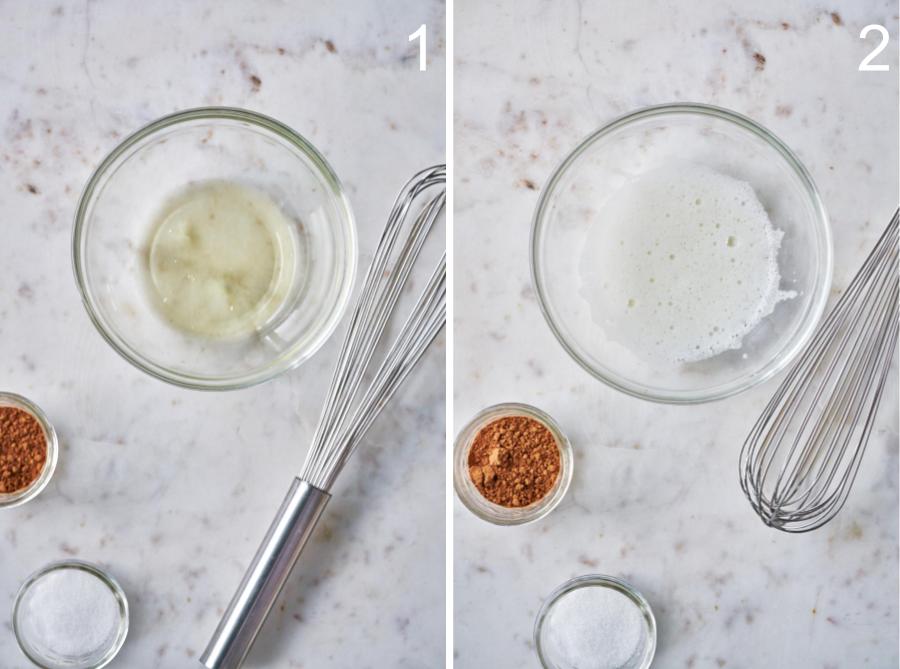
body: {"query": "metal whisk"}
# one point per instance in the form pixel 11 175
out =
pixel 802 456
pixel 349 409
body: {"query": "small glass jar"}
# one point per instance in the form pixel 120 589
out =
pixel 96 659
pixel 484 508
pixel 29 492
pixel 641 660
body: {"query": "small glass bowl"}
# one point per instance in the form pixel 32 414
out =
pixel 9 500
pixel 98 659
pixel 475 501
pixel 595 581
pixel 668 136
pixel 116 216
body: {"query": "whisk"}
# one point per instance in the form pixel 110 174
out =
pixel 800 460
pixel 350 409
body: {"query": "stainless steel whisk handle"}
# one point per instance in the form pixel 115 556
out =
pixel 266 576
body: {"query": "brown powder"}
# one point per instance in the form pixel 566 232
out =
pixel 514 461
pixel 23 449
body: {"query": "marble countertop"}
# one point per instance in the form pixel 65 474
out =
pixel 172 490
pixel 655 496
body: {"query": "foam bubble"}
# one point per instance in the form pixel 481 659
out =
pixel 682 264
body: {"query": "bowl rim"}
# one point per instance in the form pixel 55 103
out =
pixel 824 251
pixel 280 364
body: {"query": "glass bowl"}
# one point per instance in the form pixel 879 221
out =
pixel 12 499
pixel 116 216
pixel 553 658
pixel 667 136
pixel 47 658
pixel 473 500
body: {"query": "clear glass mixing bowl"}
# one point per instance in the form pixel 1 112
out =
pixel 653 138
pixel 116 215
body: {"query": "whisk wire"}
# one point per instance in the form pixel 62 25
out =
pixel 426 320
pixel 421 328
pixel 376 311
pixel 340 382
pixel 346 417
pixel 374 327
pixel 830 329
pixel 803 454
pixel 348 372
pixel 837 427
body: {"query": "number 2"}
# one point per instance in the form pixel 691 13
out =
pixel 420 35
pixel 864 66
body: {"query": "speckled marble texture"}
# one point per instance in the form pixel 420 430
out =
pixel 172 490
pixel 655 497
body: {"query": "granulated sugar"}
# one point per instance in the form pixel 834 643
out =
pixel 595 628
pixel 69 614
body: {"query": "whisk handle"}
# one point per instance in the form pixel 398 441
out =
pixel 268 573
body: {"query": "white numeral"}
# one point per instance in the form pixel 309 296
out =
pixel 864 66
pixel 420 35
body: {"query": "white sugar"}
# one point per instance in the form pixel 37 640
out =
pixel 595 628
pixel 69 614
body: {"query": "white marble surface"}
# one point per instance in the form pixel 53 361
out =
pixel 171 489
pixel 655 496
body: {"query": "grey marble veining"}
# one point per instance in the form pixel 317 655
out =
pixel 655 496
pixel 172 490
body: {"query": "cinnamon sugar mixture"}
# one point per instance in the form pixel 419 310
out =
pixel 514 461
pixel 23 449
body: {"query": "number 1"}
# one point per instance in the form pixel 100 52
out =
pixel 420 35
